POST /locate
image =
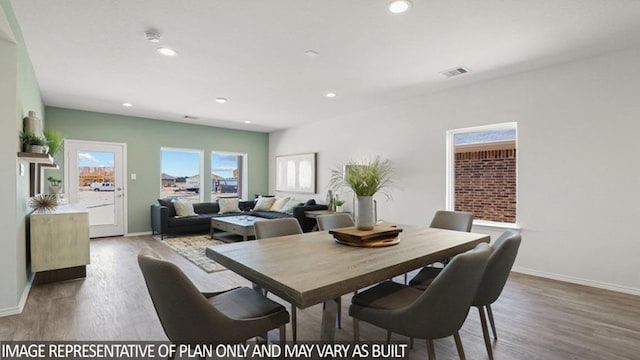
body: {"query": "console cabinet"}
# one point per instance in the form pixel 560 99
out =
pixel 60 243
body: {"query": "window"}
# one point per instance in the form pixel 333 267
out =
pixel 228 175
pixel 482 172
pixel 181 171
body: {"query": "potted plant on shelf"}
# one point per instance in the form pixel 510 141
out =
pixel 54 185
pixel 339 203
pixel 365 179
pixel 54 140
pixel 33 143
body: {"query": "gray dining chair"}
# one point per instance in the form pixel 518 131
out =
pixel 435 313
pixel 334 221
pixel 189 316
pixel 503 256
pixel 448 220
pixel 265 229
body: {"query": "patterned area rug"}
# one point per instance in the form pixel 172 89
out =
pixel 193 248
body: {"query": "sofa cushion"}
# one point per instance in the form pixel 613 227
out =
pixel 184 208
pixel 270 214
pixel 264 204
pixel 168 203
pixel 206 208
pixel 280 203
pixel 288 208
pixel 228 206
pixel 189 221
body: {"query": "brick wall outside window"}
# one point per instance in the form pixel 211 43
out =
pixel 485 183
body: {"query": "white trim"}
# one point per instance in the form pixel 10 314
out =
pixel 577 280
pixel 15 310
pixel 494 225
pixel 142 233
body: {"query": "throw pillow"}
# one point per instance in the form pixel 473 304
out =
pixel 169 204
pixel 264 204
pixel 310 202
pixel 184 208
pixel 288 208
pixel 280 203
pixel 229 206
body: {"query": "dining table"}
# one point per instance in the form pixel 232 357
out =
pixel 312 268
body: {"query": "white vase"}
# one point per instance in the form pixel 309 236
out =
pixel 339 208
pixel 365 215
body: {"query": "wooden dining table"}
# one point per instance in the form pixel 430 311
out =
pixel 311 268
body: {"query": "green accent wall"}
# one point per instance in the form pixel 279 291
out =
pixel 144 138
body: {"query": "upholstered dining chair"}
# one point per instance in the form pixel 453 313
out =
pixel 448 220
pixel 503 255
pixel 435 313
pixel 274 228
pixel 189 316
pixel 334 221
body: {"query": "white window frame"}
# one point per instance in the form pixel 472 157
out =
pixel 200 165
pixel 451 168
pixel 245 169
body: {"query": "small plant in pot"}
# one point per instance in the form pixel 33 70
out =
pixel 33 143
pixel 55 185
pixel 54 140
pixel 339 203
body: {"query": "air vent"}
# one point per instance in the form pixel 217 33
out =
pixel 189 117
pixel 455 72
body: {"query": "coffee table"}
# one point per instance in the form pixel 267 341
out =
pixel 240 225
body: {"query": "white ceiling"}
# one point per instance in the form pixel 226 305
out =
pixel 93 55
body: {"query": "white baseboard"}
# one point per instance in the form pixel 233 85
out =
pixel 23 300
pixel 579 281
pixel 139 233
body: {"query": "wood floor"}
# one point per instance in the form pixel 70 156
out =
pixel 536 318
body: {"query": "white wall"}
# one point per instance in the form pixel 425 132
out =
pixel 578 149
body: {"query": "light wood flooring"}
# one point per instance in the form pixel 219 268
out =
pixel 536 318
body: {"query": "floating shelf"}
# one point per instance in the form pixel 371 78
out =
pixel 36 158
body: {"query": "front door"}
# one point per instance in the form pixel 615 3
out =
pixel 95 176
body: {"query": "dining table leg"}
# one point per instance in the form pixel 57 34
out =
pixel 329 312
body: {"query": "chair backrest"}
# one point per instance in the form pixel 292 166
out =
pixel 500 263
pixel 276 227
pixel 334 221
pixel 452 220
pixel 185 314
pixel 441 310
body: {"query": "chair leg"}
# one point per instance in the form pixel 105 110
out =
pixel 356 330
pixel 493 324
pixel 405 278
pixel 388 337
pixel 283 335
pixel 485 332
pixel 411 343
pixel 339 314
pixel 294 324
pixel 431 350
pixel 456 337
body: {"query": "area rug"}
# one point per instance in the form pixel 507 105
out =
pixel 193 249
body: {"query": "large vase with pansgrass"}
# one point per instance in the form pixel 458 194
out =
pixel 365 179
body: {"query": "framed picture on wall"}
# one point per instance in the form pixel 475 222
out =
pixel 296 173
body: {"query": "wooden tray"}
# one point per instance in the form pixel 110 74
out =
pixel 372 244
pixel 353 235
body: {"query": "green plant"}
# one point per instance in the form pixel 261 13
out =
pixel 339 202
pixel 28 139
pixel 53 181
pixel 54 140
pixel 364 178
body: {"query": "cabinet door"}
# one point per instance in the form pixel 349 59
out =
pixel 59 241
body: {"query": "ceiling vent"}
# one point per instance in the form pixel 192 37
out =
pixel 153 35
pixel 189 117
pixel 455 72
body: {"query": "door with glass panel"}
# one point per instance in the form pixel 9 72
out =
pixel 95 178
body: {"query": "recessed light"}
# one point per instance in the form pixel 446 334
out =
pixel 312 53
pixel 330 95
pixel 166 51
pixel 247 122
pixel 399 6
pixel 221 100
pixel 127 104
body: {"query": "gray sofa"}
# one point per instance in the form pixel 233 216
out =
pixel 164 220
